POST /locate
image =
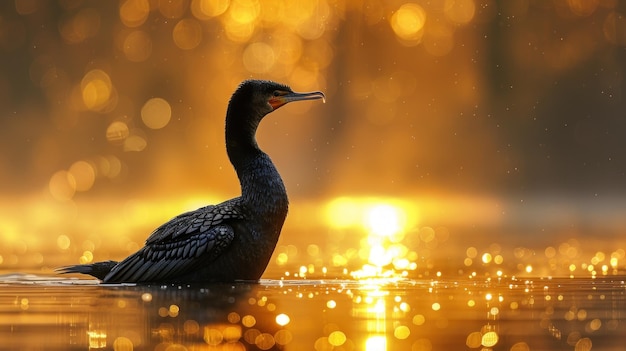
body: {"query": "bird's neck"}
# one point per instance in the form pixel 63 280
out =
pixel 262 188
pixel 241 145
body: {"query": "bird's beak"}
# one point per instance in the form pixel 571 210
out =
pixel 278 101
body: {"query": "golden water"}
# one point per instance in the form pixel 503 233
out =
pixel 43 313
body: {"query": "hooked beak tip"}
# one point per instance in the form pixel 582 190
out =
pixel 279 101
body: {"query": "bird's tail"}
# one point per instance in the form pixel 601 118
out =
pixel 98 269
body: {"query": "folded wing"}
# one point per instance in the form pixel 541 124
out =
pixel 179 246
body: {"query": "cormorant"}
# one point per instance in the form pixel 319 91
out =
pixel 233 240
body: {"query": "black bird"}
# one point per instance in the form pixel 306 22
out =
pixel 230 241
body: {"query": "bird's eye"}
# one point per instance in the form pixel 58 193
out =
pixel 276 93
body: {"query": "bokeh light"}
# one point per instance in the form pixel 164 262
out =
pixel 207 9
pixel 83 25
pixel 337 338
pixel 282 319
pixel 97 91
pixel 408 23
pixel 187 34
pixel 117 131
pixel 460 11
pixel 134 13
pixel 136 45
pixel 62 185
pixel 259 58
pixel 173 8
pixel 156 113
pixel 84 175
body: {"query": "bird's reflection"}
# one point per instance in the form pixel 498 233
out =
pixel 230 315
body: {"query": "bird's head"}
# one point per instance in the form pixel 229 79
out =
pixel 266 96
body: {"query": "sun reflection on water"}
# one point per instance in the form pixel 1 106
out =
pixel 385 223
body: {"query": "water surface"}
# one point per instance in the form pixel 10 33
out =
pixel 46 313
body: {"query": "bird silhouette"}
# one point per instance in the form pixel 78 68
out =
pixel 230 241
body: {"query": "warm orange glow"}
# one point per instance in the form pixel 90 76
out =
pixel 264 341
pixel 97 339
pixel 238 32
pixel 529 269
pixel 248 321
pixel 337 338
pixel 213 336
pixel 62 185
pixel 97 90
pixel 109 166
pixel 84 175
pixel 137 46
pixel 283 337
pixel 173 8
pixel 583 8
pixel 408 23
pixel 206 9
pixel 402 332
pixel 117 131
pixel 83 25
pixel 232 334
pixel 460 11
pixel 86 257
pixel 187 34
pixel 156 113
pixel 378 216
pixel 244 11
pixel 134 13
pixel 311 20
pixel 473 340
pixel 614 28
pixel 375 343
pixel 520 346
pixel 122 343
pixel 386 220
pixel 135 143
pixel 63 242
pixel 259 58
pixel 486 258
pixel 288 48
pixel 26 7
pixel 439 39
pixel 282 319
pixel 489 339
pixel 418 319
pixel 386 225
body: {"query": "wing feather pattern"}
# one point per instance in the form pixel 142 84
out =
pixel 178 246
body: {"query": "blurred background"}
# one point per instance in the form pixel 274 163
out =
pixel 439 115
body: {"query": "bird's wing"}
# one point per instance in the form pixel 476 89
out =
pixel 195 221
pixel 178 246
